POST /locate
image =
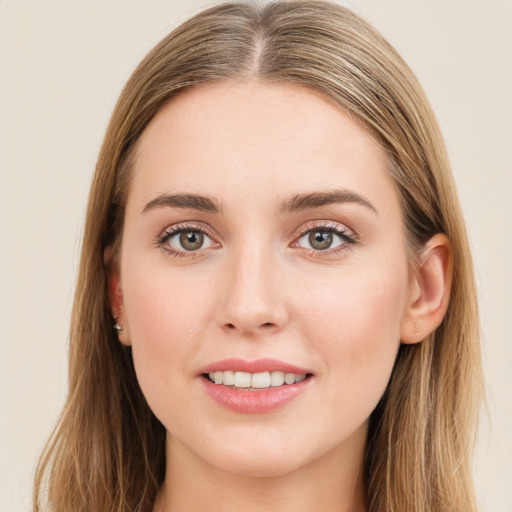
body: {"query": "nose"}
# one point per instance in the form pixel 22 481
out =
pixel 253 294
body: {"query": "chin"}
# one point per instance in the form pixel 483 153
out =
pixel 262 466
pixel 263 457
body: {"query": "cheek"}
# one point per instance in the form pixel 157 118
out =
pixel 164 309
pixel 166 316
pixel 356 326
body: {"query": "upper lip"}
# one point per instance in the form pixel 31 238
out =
pixel 256 366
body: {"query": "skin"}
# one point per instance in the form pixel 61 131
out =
pixel 257 289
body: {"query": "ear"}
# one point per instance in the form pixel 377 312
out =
pixel 429 292
pixel 115 297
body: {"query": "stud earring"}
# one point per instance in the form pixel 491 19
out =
pixel 117 326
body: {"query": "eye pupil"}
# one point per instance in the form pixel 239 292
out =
pixel 191 240
pixel 320 240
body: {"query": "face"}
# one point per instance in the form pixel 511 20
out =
pixel 263 240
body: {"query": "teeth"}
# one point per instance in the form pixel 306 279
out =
pixel 276 378
pixel 289 378
pixel 255 380
pixel 261 380
pixel 242 380
pixel 228 378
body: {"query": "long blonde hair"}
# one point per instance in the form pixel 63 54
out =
pixel 107 451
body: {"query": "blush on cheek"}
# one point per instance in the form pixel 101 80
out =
pixel 358 328
pixel 165 306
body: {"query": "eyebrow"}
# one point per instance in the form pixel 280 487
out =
pixel 302 202
pixel 192 201
pixel 299 202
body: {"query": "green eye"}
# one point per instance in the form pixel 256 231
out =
pixel 190 240
pixel 320 240
pixel 323 239
pixel 182 240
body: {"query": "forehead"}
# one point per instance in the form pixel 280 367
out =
pixel 260 139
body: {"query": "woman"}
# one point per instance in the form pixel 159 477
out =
pixel 275 304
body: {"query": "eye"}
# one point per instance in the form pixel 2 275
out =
pixel 189 240
pixel 180 240
pixel 320 240
pixel 325 238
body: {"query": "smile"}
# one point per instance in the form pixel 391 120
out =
pixel 254 381
pixel 254 387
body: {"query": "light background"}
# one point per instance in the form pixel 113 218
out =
pixel 62 66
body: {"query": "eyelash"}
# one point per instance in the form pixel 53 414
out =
pixel 179 228
pixel 348 238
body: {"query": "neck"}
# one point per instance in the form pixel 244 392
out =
pixel 333 482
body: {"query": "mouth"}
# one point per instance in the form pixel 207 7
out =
pixel 255 381
pixel 257 386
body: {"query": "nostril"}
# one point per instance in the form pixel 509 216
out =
pixel 266 325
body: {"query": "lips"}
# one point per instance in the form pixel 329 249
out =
pixel 257 366
pixel 254 386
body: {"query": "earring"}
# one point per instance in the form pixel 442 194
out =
pixel 117 326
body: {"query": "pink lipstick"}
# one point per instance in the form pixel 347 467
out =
pixel 255 387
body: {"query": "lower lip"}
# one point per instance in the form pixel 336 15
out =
pixel 257 401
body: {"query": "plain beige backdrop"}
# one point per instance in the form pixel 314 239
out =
pixel 62 66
